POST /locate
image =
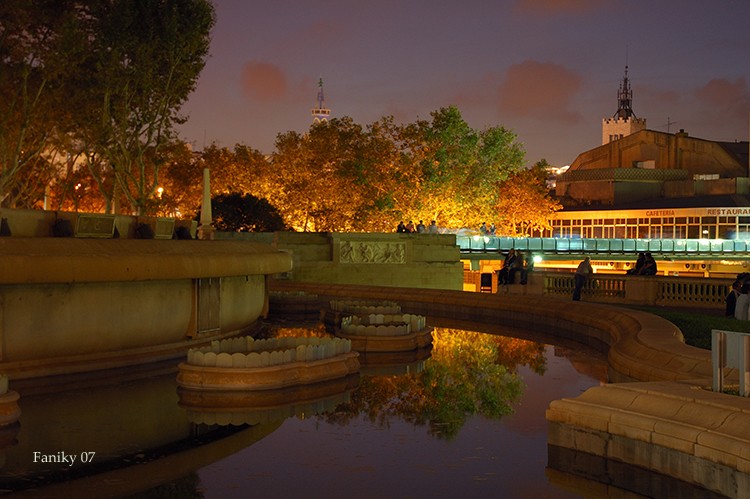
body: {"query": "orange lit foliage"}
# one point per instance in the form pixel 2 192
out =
pixel 515 352
pixel 524 204
pixel 461 378
pixel 337 177
pixel 343 177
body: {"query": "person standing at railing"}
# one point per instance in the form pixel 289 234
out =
pixel 583 272
pixel 731 298
pixel 504 273
pixel 743 303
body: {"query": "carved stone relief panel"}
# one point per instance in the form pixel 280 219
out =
pixel 372 252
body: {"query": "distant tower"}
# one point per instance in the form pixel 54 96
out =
pixel 624 121
pixel 320 114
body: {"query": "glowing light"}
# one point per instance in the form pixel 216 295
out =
pixel 537 259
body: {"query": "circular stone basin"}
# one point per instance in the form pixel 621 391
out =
pixel 386 332
pixel 248 364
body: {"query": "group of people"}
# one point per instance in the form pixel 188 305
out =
pixel 515 263
pixel 487 231
pixel 738 299
pixel 644 265
pixel 420 228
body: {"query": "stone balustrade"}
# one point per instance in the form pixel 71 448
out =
pixel 667 291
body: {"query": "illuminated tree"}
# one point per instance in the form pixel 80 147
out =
pixel 524 203
pixel 320 180
pixel 461 167
pixel 343 177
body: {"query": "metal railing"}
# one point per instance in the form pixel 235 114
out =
pixel 678 247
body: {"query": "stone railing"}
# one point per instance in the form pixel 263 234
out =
pixel 666 291
pixel 603 287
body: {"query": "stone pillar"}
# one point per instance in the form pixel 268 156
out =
pixel 205 229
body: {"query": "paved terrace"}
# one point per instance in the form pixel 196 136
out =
pixel 664 417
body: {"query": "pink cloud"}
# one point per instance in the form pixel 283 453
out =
pixel 262 81
pixel 726 97
pixel 536 89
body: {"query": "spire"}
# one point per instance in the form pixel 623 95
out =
pixel 320 113
pixel 625 99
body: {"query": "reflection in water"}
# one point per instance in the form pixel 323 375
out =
pixel 461 379
pixel 464 419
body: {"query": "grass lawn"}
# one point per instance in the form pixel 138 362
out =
pixel 696 326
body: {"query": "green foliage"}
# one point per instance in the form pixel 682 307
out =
pixel 39 41
pixel 102 81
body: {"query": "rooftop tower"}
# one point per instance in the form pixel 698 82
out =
pixel 624 121
pixel 320 114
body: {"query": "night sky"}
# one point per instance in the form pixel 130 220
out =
pixel 548 70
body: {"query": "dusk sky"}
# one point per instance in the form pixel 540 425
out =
pixel 548 70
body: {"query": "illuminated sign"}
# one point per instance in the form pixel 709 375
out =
pixel 660 213
pixel 727 211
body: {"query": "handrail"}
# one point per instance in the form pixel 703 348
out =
pixel 686 247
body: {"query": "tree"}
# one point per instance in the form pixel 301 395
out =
pixel 460 167
pixel 341 176
pixel 40 44
pixel 143 61
pixel 320 179
pixel 235 212
pixel 524 203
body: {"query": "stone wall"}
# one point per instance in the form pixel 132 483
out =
pixel 430 261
